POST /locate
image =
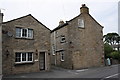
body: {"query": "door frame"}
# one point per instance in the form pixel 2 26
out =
pixel 44 59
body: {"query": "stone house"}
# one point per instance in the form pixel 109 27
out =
pixel 25 46
pixel 78 43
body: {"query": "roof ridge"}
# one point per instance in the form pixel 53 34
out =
pixel 73 19
pixel 17 18
pixel 66 23
pixel 26 16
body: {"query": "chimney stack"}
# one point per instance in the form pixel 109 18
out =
pixel 84 9
pixel 1 17
pixel 61 22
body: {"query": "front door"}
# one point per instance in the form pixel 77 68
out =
pixel 42 60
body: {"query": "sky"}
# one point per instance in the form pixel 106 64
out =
pixel 119 18
pixel 50 12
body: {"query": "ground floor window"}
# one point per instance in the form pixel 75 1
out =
pixel 23 57
pixel 62 55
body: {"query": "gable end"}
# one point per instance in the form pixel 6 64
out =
pixel 24 17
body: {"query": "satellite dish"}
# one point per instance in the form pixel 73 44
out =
pixel 9 34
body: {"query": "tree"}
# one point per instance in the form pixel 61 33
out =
pixel 111 38
pixel 115 55
pixel 118 41
pixel 107 50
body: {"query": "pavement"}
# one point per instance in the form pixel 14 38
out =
pixel 0 76
pixel 101 73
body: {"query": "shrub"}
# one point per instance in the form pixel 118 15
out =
pixel 107 50
pixel 115 55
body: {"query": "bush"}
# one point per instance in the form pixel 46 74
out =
pixel 115 55
pixel 107 50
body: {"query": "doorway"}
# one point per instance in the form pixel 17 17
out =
pixel 42 60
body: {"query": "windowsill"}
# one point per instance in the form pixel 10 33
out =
pixel 82 27
pixel 62 60
pixel 53 54
pixel 24 38
pixel 20 63
pixel 62 41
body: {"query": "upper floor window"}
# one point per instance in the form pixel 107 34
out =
pixel 23 57
pixel 81 23
pixel 53 49
pixel 24 33
pixel 62 39
pixel 18 32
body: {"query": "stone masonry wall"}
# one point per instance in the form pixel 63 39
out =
pixel 87 43
pixel 61 46
pixel 40 42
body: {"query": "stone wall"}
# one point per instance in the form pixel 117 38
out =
pixel 11 44
pixel 84 45
pixel 61 47
pixel 87 42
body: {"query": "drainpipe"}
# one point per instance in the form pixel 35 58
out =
pixel 1 20
pixel 55 46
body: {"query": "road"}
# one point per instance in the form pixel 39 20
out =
pixel 99 73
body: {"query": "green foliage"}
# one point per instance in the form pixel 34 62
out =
pixel 111 38
pixel 115 55
pixel 107 50
pixel 110 53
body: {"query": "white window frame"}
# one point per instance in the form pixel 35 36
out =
pixel 81 23
pixel 21 32
pixel 62 56
pixel 26 57
pixel 25 33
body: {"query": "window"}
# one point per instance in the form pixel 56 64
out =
pixel 81 23
pixel 29 56
pixel 62 39
pixel 23 57
pixel 24 33
pixel 62 55
pixel 30 33
pixel 17 57
pixel 53 50
pixel 18 32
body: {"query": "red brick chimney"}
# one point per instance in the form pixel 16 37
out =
pixel 84 9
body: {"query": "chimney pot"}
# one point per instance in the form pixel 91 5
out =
pixel 83 5
pixel 84 9
pixel 61 22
